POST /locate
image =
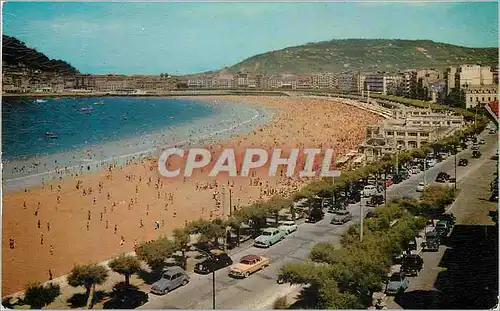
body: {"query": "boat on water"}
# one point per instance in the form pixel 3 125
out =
pixel 40 101
pixel 101 102
pixel 51 135
pixel 87 109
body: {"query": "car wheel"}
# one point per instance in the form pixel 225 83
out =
pixel 247 274
pixel 184 282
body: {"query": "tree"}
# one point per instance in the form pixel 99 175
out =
pixel 154 253
pixel 125 265
pixel 87 276
pixel 181 241
pixel 39 296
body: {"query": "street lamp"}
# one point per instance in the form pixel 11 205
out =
pixel 212 263
pixel 455 184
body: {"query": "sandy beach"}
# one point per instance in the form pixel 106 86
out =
pixel 83 219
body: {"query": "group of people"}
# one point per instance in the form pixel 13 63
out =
pixel 156 205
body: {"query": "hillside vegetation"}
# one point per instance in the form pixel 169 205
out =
pixel 365 55
pixel 15 52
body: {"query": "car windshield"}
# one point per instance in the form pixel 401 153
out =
pixel 246 262
pixel 288 223
pixel 396 277
pixel 267 233
pixel 167 276
pixel 421 184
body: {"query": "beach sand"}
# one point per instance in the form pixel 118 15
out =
pixel 57 226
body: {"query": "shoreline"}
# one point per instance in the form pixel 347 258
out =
pixel 87 228
pixel 129 148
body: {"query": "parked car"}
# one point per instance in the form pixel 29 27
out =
pixel 375 200
pixel 494 195
pixel 339 204
pixel 269 236
pixel 449 218
pixel 341 217
pixel 369 190
pixel 442 177
pixel 432 241
pixel 353 197
pixel 171 278
pixel 315 215
pixel 475 147
pixel 288 226
pixel 412 264
pixel 442 228
pixel 431 162
pixel 492 131
pixel 414 170
pixel 463 162
pixel 481 141
pixel 398 284
pixel 220 260
pixel 476 154
pixel 421 186
pixel 248 265
pixel 495 156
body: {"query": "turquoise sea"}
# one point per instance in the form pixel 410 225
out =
pixel 85 121
pixel 49 138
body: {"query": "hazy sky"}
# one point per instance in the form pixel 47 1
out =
pixel 180 38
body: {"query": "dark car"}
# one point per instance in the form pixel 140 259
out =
pixel 315 215
pixel 375 200
pixel 443 228
pixel 341 217
pixel 463 162
pixel 476 154
pixel 126 297
pixel 449 218
pixel 353 197
pixel 432 241
pixel 220 260
pixel 338 205
pixel 442 177
pixel 494 195
pixel 412 264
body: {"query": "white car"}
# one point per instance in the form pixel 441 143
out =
pixel 421 186
pixel 414 170
pixel 288 226
pixel 431 162
pixel 369 190
pixel 481 141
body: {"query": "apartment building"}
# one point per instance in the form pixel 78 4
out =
pixel 468 76
pixel 381 82
pixel 323 80
pixel 409 128
pixel 480 95
pixel 348 82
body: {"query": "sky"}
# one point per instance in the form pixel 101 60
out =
pixel 182 38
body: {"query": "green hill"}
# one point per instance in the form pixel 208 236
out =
pixel 365 55
pixel 15 52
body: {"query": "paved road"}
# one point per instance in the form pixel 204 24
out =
pixel 259 290
pixel 438 281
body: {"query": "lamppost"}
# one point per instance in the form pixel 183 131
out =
pixel 455 184
pixel 212 264
pixel 362 218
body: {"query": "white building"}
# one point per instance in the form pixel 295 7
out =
pixel 480 95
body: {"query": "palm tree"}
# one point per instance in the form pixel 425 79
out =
pixel 125 265
pixel 87 276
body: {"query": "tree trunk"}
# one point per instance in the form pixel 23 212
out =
pixel 292 212
pixel 238 233
pixel 276 218
pixel 184 259
pixel 127 279
pixel 90 297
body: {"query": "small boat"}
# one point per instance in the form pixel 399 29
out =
pixel 40 101
pixel 51 135
pixel 101 102
pixel 87 109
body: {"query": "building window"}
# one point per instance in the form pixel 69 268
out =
pixel 401 134
pixel 412 134
pixel 424 134
pixel 390 133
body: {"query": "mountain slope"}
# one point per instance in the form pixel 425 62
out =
pixel 365 55
pixel 15 52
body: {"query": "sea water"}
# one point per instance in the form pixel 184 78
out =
pixel 92 132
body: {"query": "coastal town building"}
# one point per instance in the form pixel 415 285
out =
pixel 348 82
pixel 381 82
pixel 468 76
pixel 409 128
pixel 480 95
